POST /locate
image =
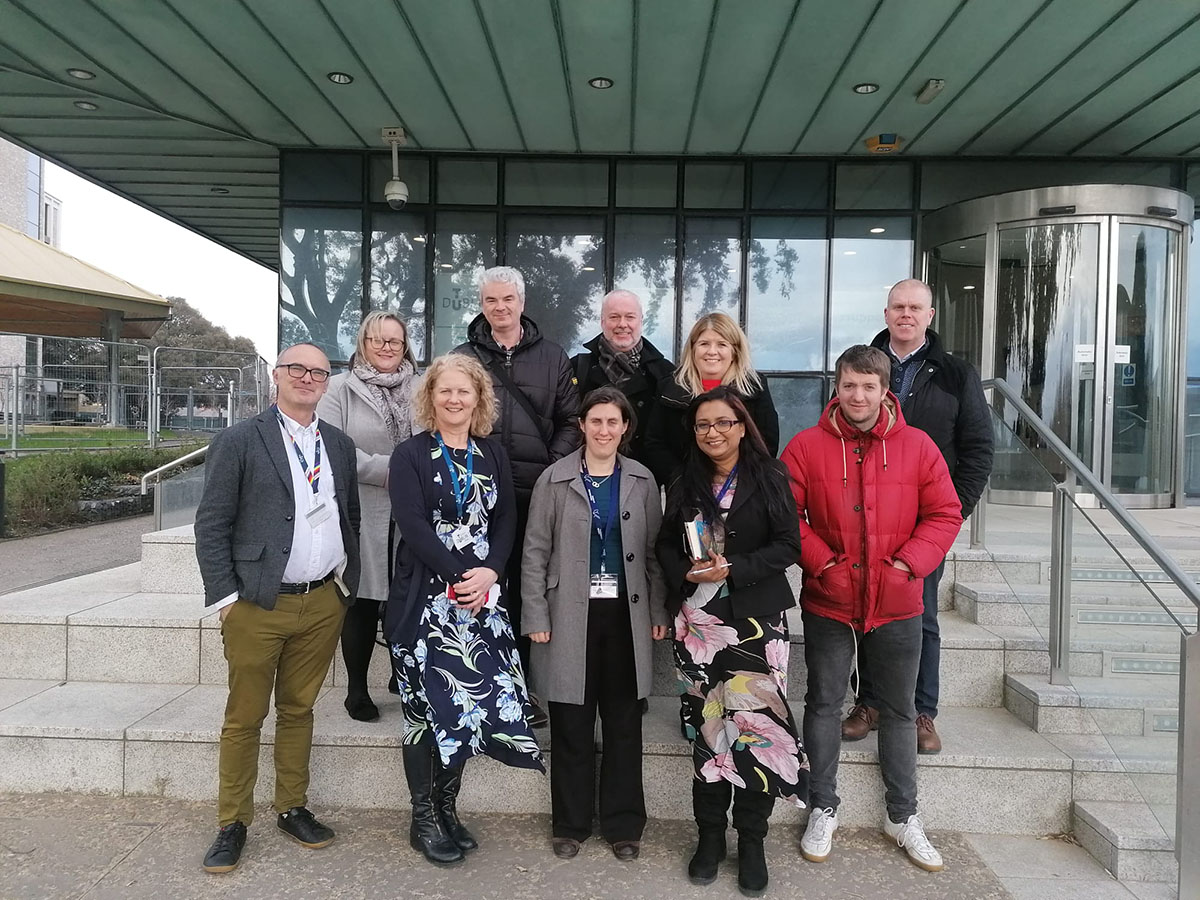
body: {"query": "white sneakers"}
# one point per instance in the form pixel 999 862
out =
pixel 909 835
pixel 817 842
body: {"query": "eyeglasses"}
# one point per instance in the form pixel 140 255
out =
pixel 376 343
pixel 722 426
pixel 298 371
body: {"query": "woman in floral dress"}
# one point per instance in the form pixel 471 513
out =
pixel 731 637
pixel 462 689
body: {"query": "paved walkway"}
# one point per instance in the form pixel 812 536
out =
pixel 93 848
pixel 40 559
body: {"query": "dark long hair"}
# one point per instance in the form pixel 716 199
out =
pixel 610 394
pixel 692 488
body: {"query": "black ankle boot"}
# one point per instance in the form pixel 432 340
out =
pixel 427 835
pixel 710 850
pixel 752 866
pixel 446 784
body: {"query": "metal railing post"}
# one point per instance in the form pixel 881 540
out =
pixel 1060 585
pixel 1187 799
pixel 158 504
pixel 979 523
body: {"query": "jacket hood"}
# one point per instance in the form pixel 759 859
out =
pixel 479 333
pixel 934 352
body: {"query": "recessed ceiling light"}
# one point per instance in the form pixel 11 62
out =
pixel 962 246
pixel 866 87
pixel 849 253
pixel 81 74
pixel 447 266
pixel 86 104
pixel 219 190
pixel 968 287
pixel 600 83
pixel 589 268
pixel 878 229
pixel 420 238
pixel 340 77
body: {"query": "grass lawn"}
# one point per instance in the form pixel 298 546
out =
pixel 53 437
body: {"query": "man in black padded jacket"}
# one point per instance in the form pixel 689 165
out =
pixel 538 401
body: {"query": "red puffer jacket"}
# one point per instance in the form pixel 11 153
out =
pixel 865 500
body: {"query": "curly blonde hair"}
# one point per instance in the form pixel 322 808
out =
pixel 486 410
pixel 741 374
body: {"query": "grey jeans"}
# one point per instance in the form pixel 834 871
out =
pixel 893 654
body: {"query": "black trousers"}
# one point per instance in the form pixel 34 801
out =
pixel 358 641
pixel 611 689
pixel 751 809
pixel 512 588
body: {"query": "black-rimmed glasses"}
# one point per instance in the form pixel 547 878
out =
pixel 378 343
pixel 298 371
pixel 722 426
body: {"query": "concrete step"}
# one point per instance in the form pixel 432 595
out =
pixel 169 562
pixel 1096 650
pixel 1135 706
pixel 1132 840
pixel 159 739
pixel 997 603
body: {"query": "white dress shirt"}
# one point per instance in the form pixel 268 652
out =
pixel 315 550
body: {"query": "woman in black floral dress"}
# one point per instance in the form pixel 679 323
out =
pixel 462 689
pixel 731 636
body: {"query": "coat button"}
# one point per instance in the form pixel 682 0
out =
pixel 857 450
pixel 625 515
pixel 855 566
pixel 628 557
pixel 634 598
pixel 858 509
pixel 287 549
pixel 287 518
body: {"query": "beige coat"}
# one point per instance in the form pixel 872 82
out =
pixel 555 573
pixel 348 404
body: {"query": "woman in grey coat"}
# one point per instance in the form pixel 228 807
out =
pixel 372 403
pixel 594 602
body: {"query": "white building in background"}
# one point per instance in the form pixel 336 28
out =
pixel 25 206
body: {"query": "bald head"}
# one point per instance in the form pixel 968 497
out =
pixel 908 314
pixel 621 319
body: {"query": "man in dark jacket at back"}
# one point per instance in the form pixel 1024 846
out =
pixel 941 395
pixel 538 403
pixel 619 356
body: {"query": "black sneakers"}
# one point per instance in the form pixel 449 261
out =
pixel 301 826
pixel 226 851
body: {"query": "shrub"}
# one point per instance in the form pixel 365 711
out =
pixel 43 490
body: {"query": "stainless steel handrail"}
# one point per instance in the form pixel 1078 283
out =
pixel 1088 479
pixel 166 467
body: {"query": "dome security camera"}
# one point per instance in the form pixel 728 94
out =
pixel 395 192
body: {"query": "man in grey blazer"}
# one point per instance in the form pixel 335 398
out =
pixel 277 543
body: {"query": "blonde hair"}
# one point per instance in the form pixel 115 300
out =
pixel 741 374
pixel 486 409
pixel 373 321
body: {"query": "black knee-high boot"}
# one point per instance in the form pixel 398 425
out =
pixel 358 641
pixel 427 834
pixel 751 810
pixel 446 784
pixel 710 802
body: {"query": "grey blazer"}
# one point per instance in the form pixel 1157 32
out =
pixel 244 521
pixel 555 570
pixel 348 405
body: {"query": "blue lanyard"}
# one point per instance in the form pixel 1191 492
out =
pixel 463 490
pixel 314 475
pixel 614 500
pixel 729 479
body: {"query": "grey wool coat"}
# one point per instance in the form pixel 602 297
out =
pixel 348 405
pixel 555 573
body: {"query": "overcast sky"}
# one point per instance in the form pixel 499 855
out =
pixel 153 253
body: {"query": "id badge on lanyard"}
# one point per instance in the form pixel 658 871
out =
pixel 319 509
pixel 461 535
pixel 603 585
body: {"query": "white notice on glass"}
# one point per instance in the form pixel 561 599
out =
pixel 1122 355
pixel 1085 353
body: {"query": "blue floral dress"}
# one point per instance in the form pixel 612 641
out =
pixel 462 680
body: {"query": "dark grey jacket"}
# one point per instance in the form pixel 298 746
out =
pixel 244 521
pixel 946 402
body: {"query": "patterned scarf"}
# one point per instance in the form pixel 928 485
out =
pixel 393 397
pixel 619 366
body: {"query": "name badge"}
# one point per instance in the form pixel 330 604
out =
pixel 603 587
pixel 318 514
pixel 462 537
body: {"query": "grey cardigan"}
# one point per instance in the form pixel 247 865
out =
pixel 348 405
pixel 555 571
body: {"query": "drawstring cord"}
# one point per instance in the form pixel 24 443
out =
pixel 854 677
pixel 844 472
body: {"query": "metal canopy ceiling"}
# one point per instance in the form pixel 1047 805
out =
pixel 192 96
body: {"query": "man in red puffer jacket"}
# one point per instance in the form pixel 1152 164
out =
pixel 878 512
